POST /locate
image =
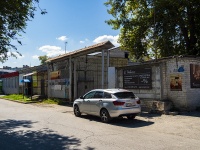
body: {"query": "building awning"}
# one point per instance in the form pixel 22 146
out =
pixel 29 74
pixel 25 80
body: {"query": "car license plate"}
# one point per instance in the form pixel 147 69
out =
pixel 129 104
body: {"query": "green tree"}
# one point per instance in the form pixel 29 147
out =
pixel 158 28
pixel 13 17
pixel 43 59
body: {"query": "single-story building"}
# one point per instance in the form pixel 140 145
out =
pixel 73 74
pixel 28 81
pixel 33 80
pixel 10 83
pixel 175 79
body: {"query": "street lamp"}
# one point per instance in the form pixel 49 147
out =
pixel 65 46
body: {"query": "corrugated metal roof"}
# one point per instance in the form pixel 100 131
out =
pixel 87 50
pixel 32 69
pixel 8 75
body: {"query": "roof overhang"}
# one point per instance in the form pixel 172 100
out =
pixel 29 74
pixel 25 80
pixel 85 51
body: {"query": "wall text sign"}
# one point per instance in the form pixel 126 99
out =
pixel 137 78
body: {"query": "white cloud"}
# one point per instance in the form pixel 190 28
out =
pixel 51 50
pixel 62 38
pixel 84 41
pixel 110 38
pixel 35 56
pixel 16 54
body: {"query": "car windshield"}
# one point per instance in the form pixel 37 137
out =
pixel 124 95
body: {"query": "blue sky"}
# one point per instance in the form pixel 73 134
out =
pixel 80 23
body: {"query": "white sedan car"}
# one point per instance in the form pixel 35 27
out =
pixel 107 104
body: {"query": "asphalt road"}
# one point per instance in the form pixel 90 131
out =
pixel 53 127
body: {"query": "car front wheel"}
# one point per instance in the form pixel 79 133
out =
pixel 77 112
pixel 105 117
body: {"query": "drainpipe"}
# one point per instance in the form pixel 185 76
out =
pixel 75 79
pixel 70 78
pixel 108 64
pixel 102 69
pixel 48 78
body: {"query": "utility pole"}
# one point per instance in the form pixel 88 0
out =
pixel 155 46
pixel 65 46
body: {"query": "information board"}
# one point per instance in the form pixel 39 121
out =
pixel 137 78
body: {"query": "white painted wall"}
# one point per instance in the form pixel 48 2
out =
pixel 111 77
pixel 11 85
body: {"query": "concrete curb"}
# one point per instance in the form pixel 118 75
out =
pixel 19 101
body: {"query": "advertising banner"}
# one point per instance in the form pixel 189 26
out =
pixel 55 75
pixel 195 75
pixel 35 80
pixel 176 82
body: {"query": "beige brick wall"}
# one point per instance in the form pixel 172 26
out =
pixel 186 99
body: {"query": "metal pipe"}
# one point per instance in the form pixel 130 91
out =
pixel 65 46
pixel 70 78
pixel 102 67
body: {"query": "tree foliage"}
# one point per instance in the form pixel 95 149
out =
pixel 14 15
pixel 159 28
pixel 43 59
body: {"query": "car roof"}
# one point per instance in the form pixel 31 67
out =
pixel 112 90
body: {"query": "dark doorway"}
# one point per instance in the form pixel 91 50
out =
pixel 42 87
pixel 29 88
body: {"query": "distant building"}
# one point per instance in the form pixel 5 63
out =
pixel 5 71
pixel 25 66
pixel 6 67
pixel 15 68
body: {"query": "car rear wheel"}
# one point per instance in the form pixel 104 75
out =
pixel 131 117
pixel 105 117
pixel 77 112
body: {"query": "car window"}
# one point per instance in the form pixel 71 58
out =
pixel 98 94
pixel 90 95
pixel 107 95
pixel 124 95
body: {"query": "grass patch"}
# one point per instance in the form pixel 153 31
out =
pixel 54 101
pixel 50 101
pixel 19 97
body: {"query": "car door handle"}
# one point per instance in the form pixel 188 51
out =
pixel 88 101
pixel 100 100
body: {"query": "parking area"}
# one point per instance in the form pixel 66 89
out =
pixel 185 124
pixel 43 126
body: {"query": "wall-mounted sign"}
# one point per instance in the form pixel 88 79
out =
pixel 195 76
pixel 35 79
pixel 137 78
pixel 55 75
pixel 176 82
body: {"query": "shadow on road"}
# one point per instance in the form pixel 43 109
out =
pixel 150 115
pixel 122 121
pixel 191 114
pixel 16 134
